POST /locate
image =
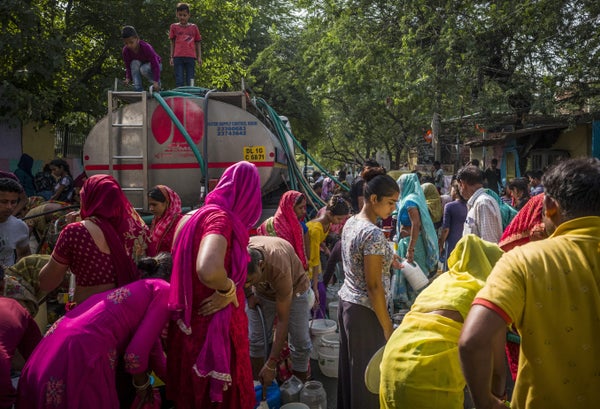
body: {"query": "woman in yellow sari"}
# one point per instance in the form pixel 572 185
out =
pixel 420 366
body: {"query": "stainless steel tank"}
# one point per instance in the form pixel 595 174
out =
pixel 233 134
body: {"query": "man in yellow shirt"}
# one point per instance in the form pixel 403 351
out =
pixel 550 291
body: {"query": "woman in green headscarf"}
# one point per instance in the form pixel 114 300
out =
pixel 420 367
pixel 416 235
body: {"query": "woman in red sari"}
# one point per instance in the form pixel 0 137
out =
pixel 165 205
pixel 208 348
pixel 101 248
pixel 528 225
pixel 286 224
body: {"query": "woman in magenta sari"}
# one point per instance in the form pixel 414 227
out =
pixel 165 205
pixel 101 248
pixel 208 347
pixel 74 365
pixel 286 223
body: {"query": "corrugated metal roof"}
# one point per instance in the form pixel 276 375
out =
pixel 496 138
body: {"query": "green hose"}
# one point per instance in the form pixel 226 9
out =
pixel 179 125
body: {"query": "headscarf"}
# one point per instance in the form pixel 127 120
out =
pixel 410 189
pixel 506 211
pixel 529 220
pixel 238 194
pixel 434 202
pixel 103 201
pixel 22 281
pixel 469 266
pixel 163 227
pixel 286 225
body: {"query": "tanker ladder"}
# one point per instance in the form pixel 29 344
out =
pixel 119 129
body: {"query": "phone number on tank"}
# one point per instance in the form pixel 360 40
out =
pixel 231 131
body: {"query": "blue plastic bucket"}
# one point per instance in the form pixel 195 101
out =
pixel 273 395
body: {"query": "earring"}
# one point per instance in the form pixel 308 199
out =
pixel 550 213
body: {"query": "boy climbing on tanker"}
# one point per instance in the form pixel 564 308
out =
pixel 140 60
pixel 185 46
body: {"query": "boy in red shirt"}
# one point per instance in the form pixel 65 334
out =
pixel 185 46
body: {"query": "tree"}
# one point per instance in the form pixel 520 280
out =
pixel 61 57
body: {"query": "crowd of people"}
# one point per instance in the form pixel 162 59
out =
pixel 182 302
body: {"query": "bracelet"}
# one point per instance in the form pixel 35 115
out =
pixel 269 368
pixel 272 359
pixel 141 387
pixel 410 249
pixel 230 292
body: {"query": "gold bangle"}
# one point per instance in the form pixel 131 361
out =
pixel 230 292
pixel 269 368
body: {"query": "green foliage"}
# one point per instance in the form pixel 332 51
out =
pixel 352 76
pixel 62 57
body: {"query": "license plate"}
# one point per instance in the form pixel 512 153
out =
pixel 255 153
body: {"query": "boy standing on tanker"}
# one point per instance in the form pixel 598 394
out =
pixel 140 59
pixel 185 46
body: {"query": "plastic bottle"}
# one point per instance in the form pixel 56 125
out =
pixel 290 390
pixel 313 395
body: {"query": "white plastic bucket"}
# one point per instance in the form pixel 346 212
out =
pixel 330 344
pixel 332 309
pixel 318 328
pixel 329 354
pixel 328 364
pixel 414 275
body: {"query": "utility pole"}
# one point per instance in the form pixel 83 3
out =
pixel 436 130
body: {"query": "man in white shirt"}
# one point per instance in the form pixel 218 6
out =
pixel 483 215
pixel 14 233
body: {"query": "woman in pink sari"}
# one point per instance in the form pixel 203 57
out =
pixel 101 248
pixel 208 347
pixel 165 204
pixel 286 223
pixel 74 365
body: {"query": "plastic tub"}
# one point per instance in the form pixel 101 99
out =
pixel 330 344
pixel 318 328
pixel 328 364
pixel 329 355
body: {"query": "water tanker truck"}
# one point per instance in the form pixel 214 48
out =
pixel 186 138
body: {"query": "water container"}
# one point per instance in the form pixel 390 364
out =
pixel 329 355
pixel 290 390
pixel 313 395
pixel 332 310
pixel 318 328
pixel 273 395
pixel 414 275
pixel 330 344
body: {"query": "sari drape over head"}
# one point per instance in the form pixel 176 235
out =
pixel 285 224
pixel 22 281
pixel 420 366
pixel 162 228
pixel 434 202
pixel 238 194
pixel 529 220
pixel 410 190
pixel 103 202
